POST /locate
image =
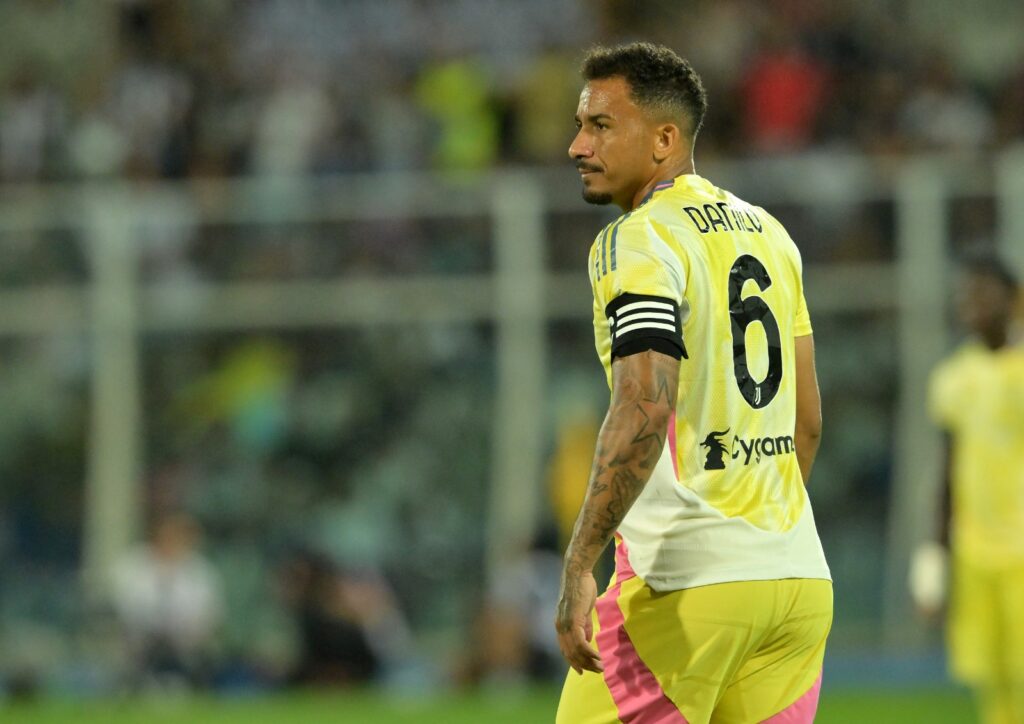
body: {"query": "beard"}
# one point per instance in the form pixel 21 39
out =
pixel 597 198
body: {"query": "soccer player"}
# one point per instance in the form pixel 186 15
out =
pixel 977 396
pixel 721 600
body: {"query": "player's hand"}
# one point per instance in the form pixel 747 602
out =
pixel 573 623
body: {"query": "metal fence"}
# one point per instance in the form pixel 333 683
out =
pixel 529 233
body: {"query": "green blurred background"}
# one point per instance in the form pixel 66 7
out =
pixel 298 383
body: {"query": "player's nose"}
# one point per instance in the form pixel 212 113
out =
pixel 580 147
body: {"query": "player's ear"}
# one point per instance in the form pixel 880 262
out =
pixel 667 137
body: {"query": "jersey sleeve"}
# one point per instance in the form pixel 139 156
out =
pixel 802 320
pixel 943 395
pixel 639 282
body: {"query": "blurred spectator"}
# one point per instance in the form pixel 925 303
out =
pixel 169 602
pixel 1010 108
pixel 351 630
pixel 942 111
pixel 292 124
pixel 395 128
pixel 85 31
pixel 512 633
pixel 570 464
pixel 543 102
pixel 876 126
pixel 247 393
pixel 456 96
pixel 31 122
pixel 784 92
pixel 176 93
pixel 150 103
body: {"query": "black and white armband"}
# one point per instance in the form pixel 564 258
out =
pixel 639 322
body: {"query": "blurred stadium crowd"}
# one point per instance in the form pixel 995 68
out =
pixel 170 90
pixel 330 496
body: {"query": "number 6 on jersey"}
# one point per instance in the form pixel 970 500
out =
pixel 743 312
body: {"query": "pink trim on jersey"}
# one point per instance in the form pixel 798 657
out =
pixel 638 696
pixel 672 444
pixel 623 570
pixel 800 711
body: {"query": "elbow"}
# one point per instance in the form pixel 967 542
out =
pixel 663 425
pixel 809 430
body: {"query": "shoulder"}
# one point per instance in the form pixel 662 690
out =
pixel 637 232
pixel 954 367
pixel 595 247
pixel 658 224
pixel 626 224
pixel 966 354
pixel 946 388
pixel 1014 363
pixel 1015 375
pixel 633 229
pixel 652 234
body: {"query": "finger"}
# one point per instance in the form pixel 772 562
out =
pixel 578 653
pixel 565 646
pixel 578 661
pixel 589 657
pixel 587 663
pixel 581 640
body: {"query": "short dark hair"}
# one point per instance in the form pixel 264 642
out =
pixel 986 261
pixel 658 78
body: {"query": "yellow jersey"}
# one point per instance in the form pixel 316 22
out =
pixel 722 279
pixel 978 396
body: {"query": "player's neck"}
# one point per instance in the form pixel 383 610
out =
pixel 995 339
pixel 666 173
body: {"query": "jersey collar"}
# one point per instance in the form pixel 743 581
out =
pixel 658 187
pixel 685 178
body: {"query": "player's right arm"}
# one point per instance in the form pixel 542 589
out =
pixel 945 513
pixel 808 406
pixel 929 563
pixel 638 289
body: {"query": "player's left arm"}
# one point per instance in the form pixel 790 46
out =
pixel 644 389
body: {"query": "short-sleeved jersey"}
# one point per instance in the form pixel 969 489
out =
pixel 978 396
pixel 727 500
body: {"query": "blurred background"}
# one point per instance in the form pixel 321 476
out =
pixel 296 362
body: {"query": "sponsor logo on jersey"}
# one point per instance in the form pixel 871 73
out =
pixel 715 459
pixel 743 450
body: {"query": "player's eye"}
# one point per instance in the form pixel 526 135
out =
pixel 600 126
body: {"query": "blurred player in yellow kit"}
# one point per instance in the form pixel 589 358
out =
pixel 721 600
pixel 977 396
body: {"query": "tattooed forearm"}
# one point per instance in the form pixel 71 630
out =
pixel 629 446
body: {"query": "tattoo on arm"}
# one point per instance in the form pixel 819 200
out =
pixel 628 447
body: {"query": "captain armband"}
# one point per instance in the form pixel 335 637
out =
pixel 639 322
